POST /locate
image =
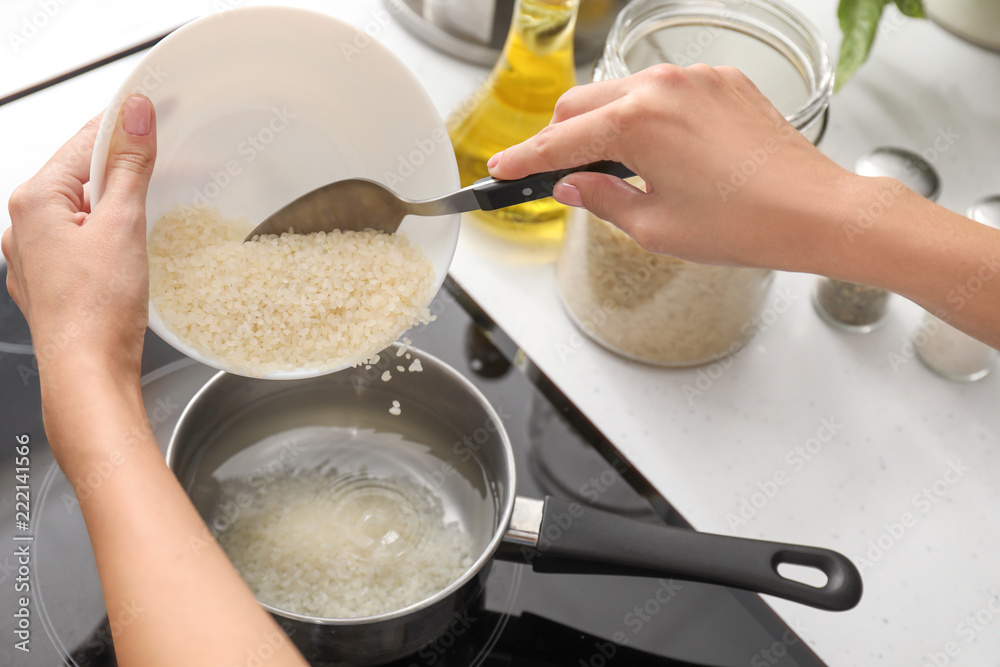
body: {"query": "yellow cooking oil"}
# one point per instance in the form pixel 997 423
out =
pixel 513 104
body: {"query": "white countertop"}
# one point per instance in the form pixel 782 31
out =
pixel 897 431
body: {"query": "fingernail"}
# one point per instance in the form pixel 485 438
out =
pixel 493 160
pixel 137 115
pixel 567 194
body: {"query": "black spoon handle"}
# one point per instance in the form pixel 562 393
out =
pixel 493 194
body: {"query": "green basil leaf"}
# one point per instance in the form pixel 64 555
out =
pixel 912 8
pixel 859 23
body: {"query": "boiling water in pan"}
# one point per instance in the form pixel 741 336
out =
pixel 343 516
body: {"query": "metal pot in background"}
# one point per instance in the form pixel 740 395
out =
pixel 475 30
pixel 975 21
pixel 444 435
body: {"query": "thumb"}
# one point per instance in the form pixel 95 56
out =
pixel 131 155
pixel 608 197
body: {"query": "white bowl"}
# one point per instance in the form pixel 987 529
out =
pixel 259 105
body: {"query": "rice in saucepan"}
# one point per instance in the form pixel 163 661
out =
pixel 284 302
pixel 333 547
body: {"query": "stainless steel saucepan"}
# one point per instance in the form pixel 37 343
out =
pixel 449 440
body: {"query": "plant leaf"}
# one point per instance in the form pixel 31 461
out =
pixel 911 8
pixel 859 23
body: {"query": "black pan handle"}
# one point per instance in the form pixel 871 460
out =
pixel 575 539
pixel 493 194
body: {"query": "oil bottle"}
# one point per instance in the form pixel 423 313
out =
pixel 513 104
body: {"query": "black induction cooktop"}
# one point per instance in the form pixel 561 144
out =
pixel 523 618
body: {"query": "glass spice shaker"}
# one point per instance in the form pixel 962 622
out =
pixel 861 308
pixel 659 309
pixel 951 353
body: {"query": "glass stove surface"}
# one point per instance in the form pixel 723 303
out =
pixel 526 618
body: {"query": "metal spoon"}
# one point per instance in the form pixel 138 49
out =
pixel 910 169
pixel 358 203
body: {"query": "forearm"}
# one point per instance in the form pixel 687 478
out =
pixel 887 236
pixel 162 574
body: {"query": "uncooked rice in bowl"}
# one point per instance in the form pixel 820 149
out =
pixel 284 303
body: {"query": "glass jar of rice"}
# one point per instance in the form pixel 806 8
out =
pixel 659 309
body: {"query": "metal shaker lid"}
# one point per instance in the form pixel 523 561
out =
pixel 908 167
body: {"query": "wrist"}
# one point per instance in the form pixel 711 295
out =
pixel 86 400
pixel 808 228
pixel 87 373
pixel 77 354
pixel 884 226
pixel 854 225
